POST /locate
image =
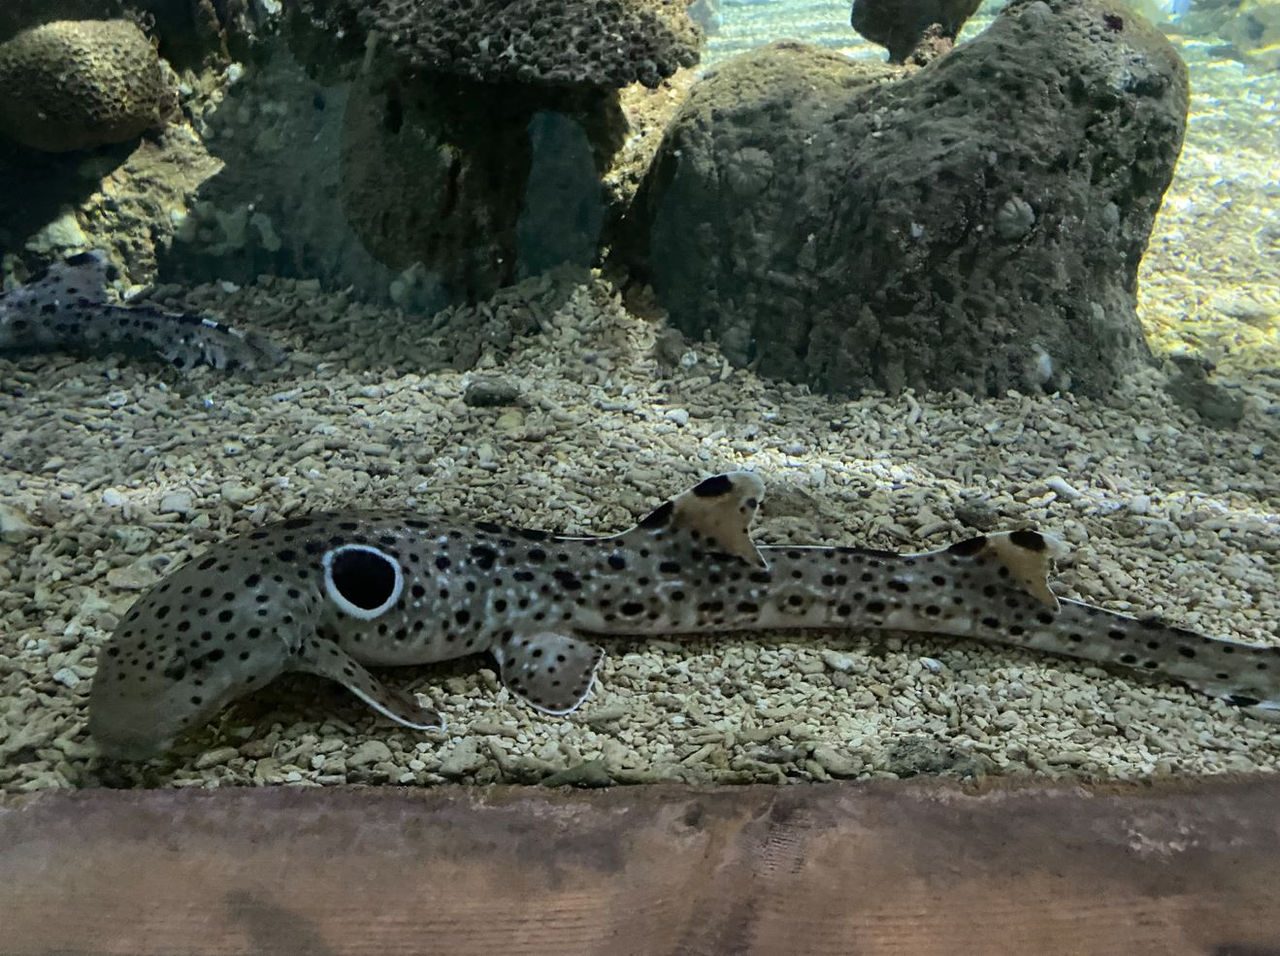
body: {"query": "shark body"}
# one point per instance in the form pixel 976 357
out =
pixel 67 307
pixel 331 593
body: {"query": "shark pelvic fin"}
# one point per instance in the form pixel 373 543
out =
pixel 323 657
pixel 718 511
pixel 1026 554
pixel 553 672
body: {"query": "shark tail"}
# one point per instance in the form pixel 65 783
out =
pixel 1245 675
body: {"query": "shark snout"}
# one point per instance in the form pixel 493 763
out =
pixel 137 713
pixel 121 740
pixel 129 727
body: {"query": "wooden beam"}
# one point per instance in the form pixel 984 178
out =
pixel 904 868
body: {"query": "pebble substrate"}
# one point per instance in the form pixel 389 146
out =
pixel 113 469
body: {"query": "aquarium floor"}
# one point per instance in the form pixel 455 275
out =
pixel 113 470
pixel 918 868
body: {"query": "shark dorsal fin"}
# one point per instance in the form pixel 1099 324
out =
pixel 1027 554
pixel 718 511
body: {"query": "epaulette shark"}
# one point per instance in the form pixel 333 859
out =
pixel 334 593
pixel 67 306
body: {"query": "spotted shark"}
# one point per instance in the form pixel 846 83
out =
pixel 335 593
pixel 68 306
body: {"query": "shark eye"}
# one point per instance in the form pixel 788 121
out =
pixel 363 581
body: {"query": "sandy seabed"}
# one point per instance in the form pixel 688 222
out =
pixel 113 470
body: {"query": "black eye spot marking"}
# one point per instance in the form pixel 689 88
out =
pixel 713 487
pixel 362 580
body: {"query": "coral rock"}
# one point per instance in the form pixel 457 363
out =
pixel 77 84
pixel 609 43
pixel 974 224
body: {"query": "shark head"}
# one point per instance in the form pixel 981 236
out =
pixel 212 631
pixel 233 620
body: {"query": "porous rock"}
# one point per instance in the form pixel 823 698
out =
pixel 186 31
pixel 900 25
pixel 77 84
pixel 609 43
pixel 975 224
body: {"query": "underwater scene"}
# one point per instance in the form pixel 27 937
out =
pixel 599 392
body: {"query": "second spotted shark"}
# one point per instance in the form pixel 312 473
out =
pixel 68 306
pixel 331 593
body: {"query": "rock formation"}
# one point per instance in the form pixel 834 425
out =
pixel 76 84
pixel 977 223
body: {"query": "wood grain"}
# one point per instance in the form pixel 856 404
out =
pixel 889 868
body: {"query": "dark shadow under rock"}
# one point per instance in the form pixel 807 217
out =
pixel 481 183
pixel 976 224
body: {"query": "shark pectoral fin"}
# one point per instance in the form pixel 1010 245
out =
pixel 325 658
pixel 1028 556
pixel 553 672
pixel 718 511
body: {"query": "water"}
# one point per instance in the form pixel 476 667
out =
pixel 475 328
